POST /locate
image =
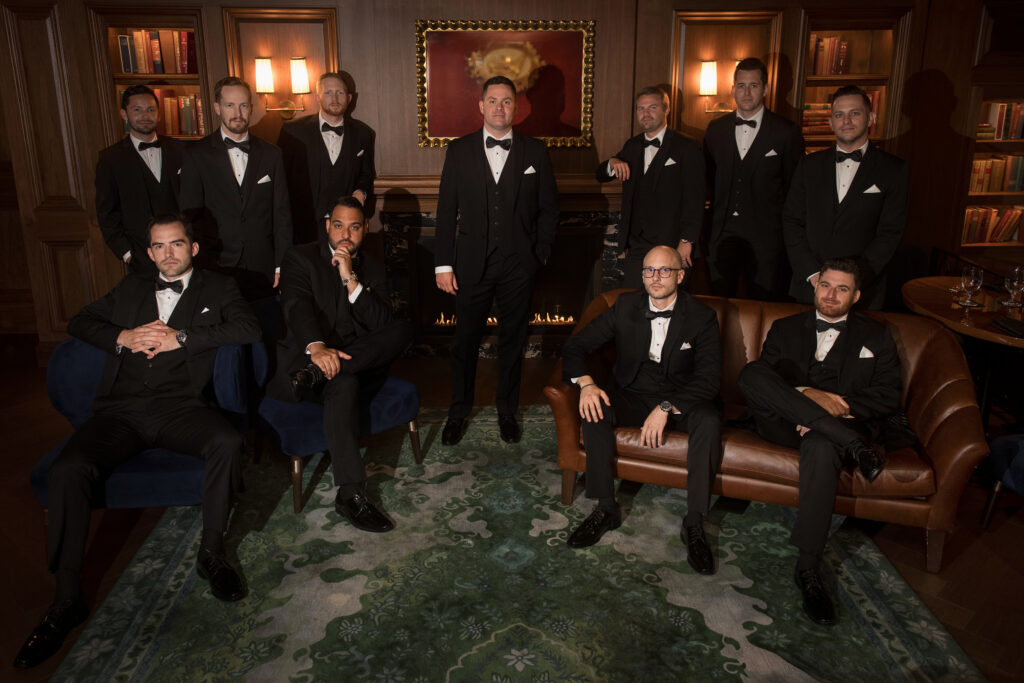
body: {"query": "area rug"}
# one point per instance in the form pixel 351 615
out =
pixel 477 584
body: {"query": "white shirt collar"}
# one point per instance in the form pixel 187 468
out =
pixel 323 121
pixel 137 142
pixel 817 316
pixel 506 136
pixel 670 307
pixel 185 279
pixel 224 135
pixel 756 117
pixel 863 149
pixel 660 136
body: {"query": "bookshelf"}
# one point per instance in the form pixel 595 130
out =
pixel 161 47
pixel 993 215
pixel 841 47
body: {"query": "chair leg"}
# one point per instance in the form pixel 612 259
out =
pixel 297 484
pixel 934 541
pixel 568 486
pixel 414 437
pixel 990 505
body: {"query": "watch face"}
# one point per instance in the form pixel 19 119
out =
pixel 666 406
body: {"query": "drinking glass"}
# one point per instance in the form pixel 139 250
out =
pixel 971 282
pixel 1014 284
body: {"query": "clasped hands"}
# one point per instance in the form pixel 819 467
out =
pixel 150 339
pixel 652 433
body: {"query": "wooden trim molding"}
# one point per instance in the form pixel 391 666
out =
pixel 235 16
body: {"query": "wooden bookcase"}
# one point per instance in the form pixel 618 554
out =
pixel 183 96
pixel 865 48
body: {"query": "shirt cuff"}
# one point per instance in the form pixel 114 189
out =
pixel 443 269
pixel 126 256
pixel 355 294
pixel 310 344
pixel 278 269
pixel 812 275
pixel 683 240
pixel 608 168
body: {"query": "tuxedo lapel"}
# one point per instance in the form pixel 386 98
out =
pixel 762 143
pixel 851 351
pixel 221 162
pixel 135 167
pixel 862 180
pixel 642 330
pixel 516 163
pixel 658 162
pixel 808 343
pixel 183 315
pixel 252 170
pixel 676 326
pixel 478 162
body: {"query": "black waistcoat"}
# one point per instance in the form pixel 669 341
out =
pixel 161 194
pixel 500 212
pixel 331 185
pixel 741 200
pixel 824 375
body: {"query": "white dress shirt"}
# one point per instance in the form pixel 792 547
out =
pixel 826 339
pixel 496 156
pixel 331 139
pixel 239 159
pixel 151 155
pixel 745 134
pixel 167 299
pixel 659 330
pixel 846 171
pixel 650 151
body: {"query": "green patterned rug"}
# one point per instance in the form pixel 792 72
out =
pixel 476 584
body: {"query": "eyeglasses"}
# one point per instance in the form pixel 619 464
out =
pixel 663 272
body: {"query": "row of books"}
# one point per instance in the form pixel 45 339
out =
pixel 158 52
pixel 997 173
pixel 816 117
pixel 1001 121
pixel 991 224
pixel 829 55
pixel 179 114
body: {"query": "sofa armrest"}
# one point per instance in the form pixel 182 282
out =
pixel 564 401
pixel 956 447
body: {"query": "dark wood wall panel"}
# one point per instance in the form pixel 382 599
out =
pixel 65 264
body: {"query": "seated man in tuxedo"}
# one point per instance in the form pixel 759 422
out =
pixel 162 336
pixel 827 382
pixel 339 319
pixel 666 376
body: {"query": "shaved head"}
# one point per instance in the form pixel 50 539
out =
pixel 669 252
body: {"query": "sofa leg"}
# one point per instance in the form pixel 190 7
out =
pixel 568 486
pixel 934 541
pixel 414 437
pixel 297 484
pixel 990 505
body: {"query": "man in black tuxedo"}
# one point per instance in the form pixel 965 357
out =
pixel 666 376
pixel 326 156
pixel 497 212
pixel 162 336
pixel 751 155
pixel 662 174
pixel 136 179
pixel 339 318
pixel 235 184
pixel 847 202
pixel 828 383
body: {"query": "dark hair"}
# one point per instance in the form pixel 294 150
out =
pixel 169 219
pixel 497 80
pixel 652 90
pixel 332 74
pixel 851 90
pixel 349 202
pixel 843 265
pixel 137 90
pixel 230 80
pixel 752 64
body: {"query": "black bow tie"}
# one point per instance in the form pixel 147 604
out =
pixel 243 145
pixel 177 285
pixel 746 122
pixel 505 144
pixel 337 130
pixel 146 145
pixel 822 325
pixel 652 143
pixel 651 315
pixel 843 156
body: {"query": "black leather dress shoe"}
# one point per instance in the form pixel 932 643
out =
pixel 48 636
pixel 453 431
pixel 510 432
pixel 698 551
pixel 593 527
pixel 225 583
pixel 817 604
pixel 869 459
pixel 360 511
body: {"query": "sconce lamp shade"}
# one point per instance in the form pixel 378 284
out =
pixel 264 75
pixel 300 77
pixel 708 78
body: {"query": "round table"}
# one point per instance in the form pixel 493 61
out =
pixel 930 296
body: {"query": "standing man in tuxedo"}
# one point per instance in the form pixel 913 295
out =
pixel 497 212
pixel 136 179
pixel 161 335
pixel 666 376
pixel 326 156
pixel 751 155
pixel 849 202
pixel 339 318
pixel 235 184
pixel 827 382
pixel 662 174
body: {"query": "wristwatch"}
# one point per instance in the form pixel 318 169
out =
pixel 351 278
pixel 666 406
pixel 182 337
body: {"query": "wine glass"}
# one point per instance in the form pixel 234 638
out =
pixel 1014 284
pixel 971 282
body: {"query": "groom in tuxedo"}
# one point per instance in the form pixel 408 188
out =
pixel 847 201
pixel 751 155
pixel 161 336
pixel 497 212
pixel 828 383
pixel 666 376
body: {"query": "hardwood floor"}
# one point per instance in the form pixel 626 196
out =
pixel 977 595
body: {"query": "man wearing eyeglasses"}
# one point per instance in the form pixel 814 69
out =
pixel 666 377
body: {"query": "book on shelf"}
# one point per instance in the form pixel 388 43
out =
pixel 988 224
pixel 1001 121
pixel 829 55
pixel 162 51
pixel 997 173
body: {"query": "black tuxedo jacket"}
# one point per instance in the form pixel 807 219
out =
pixel 678 177
pixel 211 309
pixel 123 207
pixel 869 374
pixel 303 146
pixel 867 225
pixel 462 205
pixel 774 154
pixel 316 308
pixel 692 374
pixel 248 227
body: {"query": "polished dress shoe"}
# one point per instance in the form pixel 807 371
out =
pixel 225 583
pixel 817 604
pixel 698 552
pixel 48 636
pixel 510 432
pixel 453 431
pixel 868 458
pixel 360 511
pixel 593 527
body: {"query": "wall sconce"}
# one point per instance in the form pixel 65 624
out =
pixel 709 88
pixel 265 85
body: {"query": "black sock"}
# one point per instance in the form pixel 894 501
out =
pixel 807 561
pixel 212 542
pixel 69 585
pixel 693 519
pixel 607 503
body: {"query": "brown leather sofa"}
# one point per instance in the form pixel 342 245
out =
pixel 919 489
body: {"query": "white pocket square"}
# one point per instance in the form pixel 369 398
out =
pixel 865 352
pixel 360 153
pixel 772 153
pixel 686 345
pixel 670 162
pixel 872 190
pixel 179 171
pixel 205 310
pixel 529 171
pixel 264 179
